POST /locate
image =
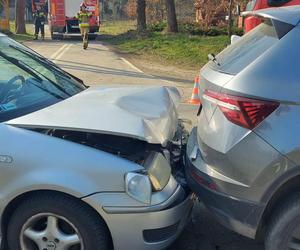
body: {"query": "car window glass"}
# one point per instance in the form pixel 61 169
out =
pixel 27 85
pixel 277 3
pixel 247 49
pixel 65 82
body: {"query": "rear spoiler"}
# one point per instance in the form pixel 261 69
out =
pixel 289 15
pixel 281 19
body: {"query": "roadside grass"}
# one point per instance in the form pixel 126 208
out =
pixel 176 49
pixel 21 37
pixel 116 27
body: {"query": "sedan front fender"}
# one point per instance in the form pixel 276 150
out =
pixel 42 162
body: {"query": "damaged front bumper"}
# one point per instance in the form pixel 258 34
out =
pixel 133 226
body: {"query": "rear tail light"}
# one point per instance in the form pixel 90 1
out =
pixel 242 111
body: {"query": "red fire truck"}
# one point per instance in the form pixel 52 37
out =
pixel 42 3
pixel 251 22
pixel 62 16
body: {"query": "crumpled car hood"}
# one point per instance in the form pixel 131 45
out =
pixel 145 113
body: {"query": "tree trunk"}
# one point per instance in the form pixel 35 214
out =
pixel 171 16
pixel 20 17
pixel 141 15
pixel 230 18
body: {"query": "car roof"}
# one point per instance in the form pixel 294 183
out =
pixel 290 14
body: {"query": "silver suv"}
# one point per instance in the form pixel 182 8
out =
pixel 86 168
pixel 243 158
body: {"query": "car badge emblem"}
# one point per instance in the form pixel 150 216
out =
pixel 6 159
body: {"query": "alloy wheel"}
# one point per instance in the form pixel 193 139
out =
pixel 49 231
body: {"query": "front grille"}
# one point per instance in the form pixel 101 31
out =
pixel 160 234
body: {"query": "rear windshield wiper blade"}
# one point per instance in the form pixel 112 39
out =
pixel 213 58
pixel 30 71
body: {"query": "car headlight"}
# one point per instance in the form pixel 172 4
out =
pixel 139 187
pixel 158 169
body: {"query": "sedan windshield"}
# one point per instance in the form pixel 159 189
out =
pixel 29 82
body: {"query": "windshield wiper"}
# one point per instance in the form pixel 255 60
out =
pixel 30 71
pixel 213 58
pixel 17 63
pixel 42 60
pixel 49 80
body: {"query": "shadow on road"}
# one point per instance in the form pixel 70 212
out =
pixel 204 233
pixel 78 66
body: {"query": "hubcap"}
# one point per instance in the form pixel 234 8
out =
pixel 50 232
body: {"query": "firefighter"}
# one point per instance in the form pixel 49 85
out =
pixel 39 18
pixel 84 17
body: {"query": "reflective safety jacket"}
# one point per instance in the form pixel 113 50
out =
pixel 84 19
pixel 39 17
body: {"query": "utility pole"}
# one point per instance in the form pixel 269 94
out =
pixel 230 18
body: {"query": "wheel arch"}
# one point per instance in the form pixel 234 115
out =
pixel 13 204
pixel 278 197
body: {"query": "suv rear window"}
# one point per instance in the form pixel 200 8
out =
pixel 247 49
pixel 277 3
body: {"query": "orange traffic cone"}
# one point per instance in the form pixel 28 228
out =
pixel 195 99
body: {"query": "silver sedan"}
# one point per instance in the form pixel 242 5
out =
pixel 86 168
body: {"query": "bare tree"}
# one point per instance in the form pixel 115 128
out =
pixel 20 16
pixel 171 16
pixel 130 9
pixel 155 11
pixel 141 15
pixel 208 10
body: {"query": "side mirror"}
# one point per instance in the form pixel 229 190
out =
pixel 238 10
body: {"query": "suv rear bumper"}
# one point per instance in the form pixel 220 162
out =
pixel 240 216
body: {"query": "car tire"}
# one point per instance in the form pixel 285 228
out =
pixel 73 218
pixel 283 224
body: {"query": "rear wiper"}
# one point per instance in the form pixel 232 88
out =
pixel 213 58
pixel 30 71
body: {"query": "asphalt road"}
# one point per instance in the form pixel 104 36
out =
pixel 96 65
pixel 100 66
